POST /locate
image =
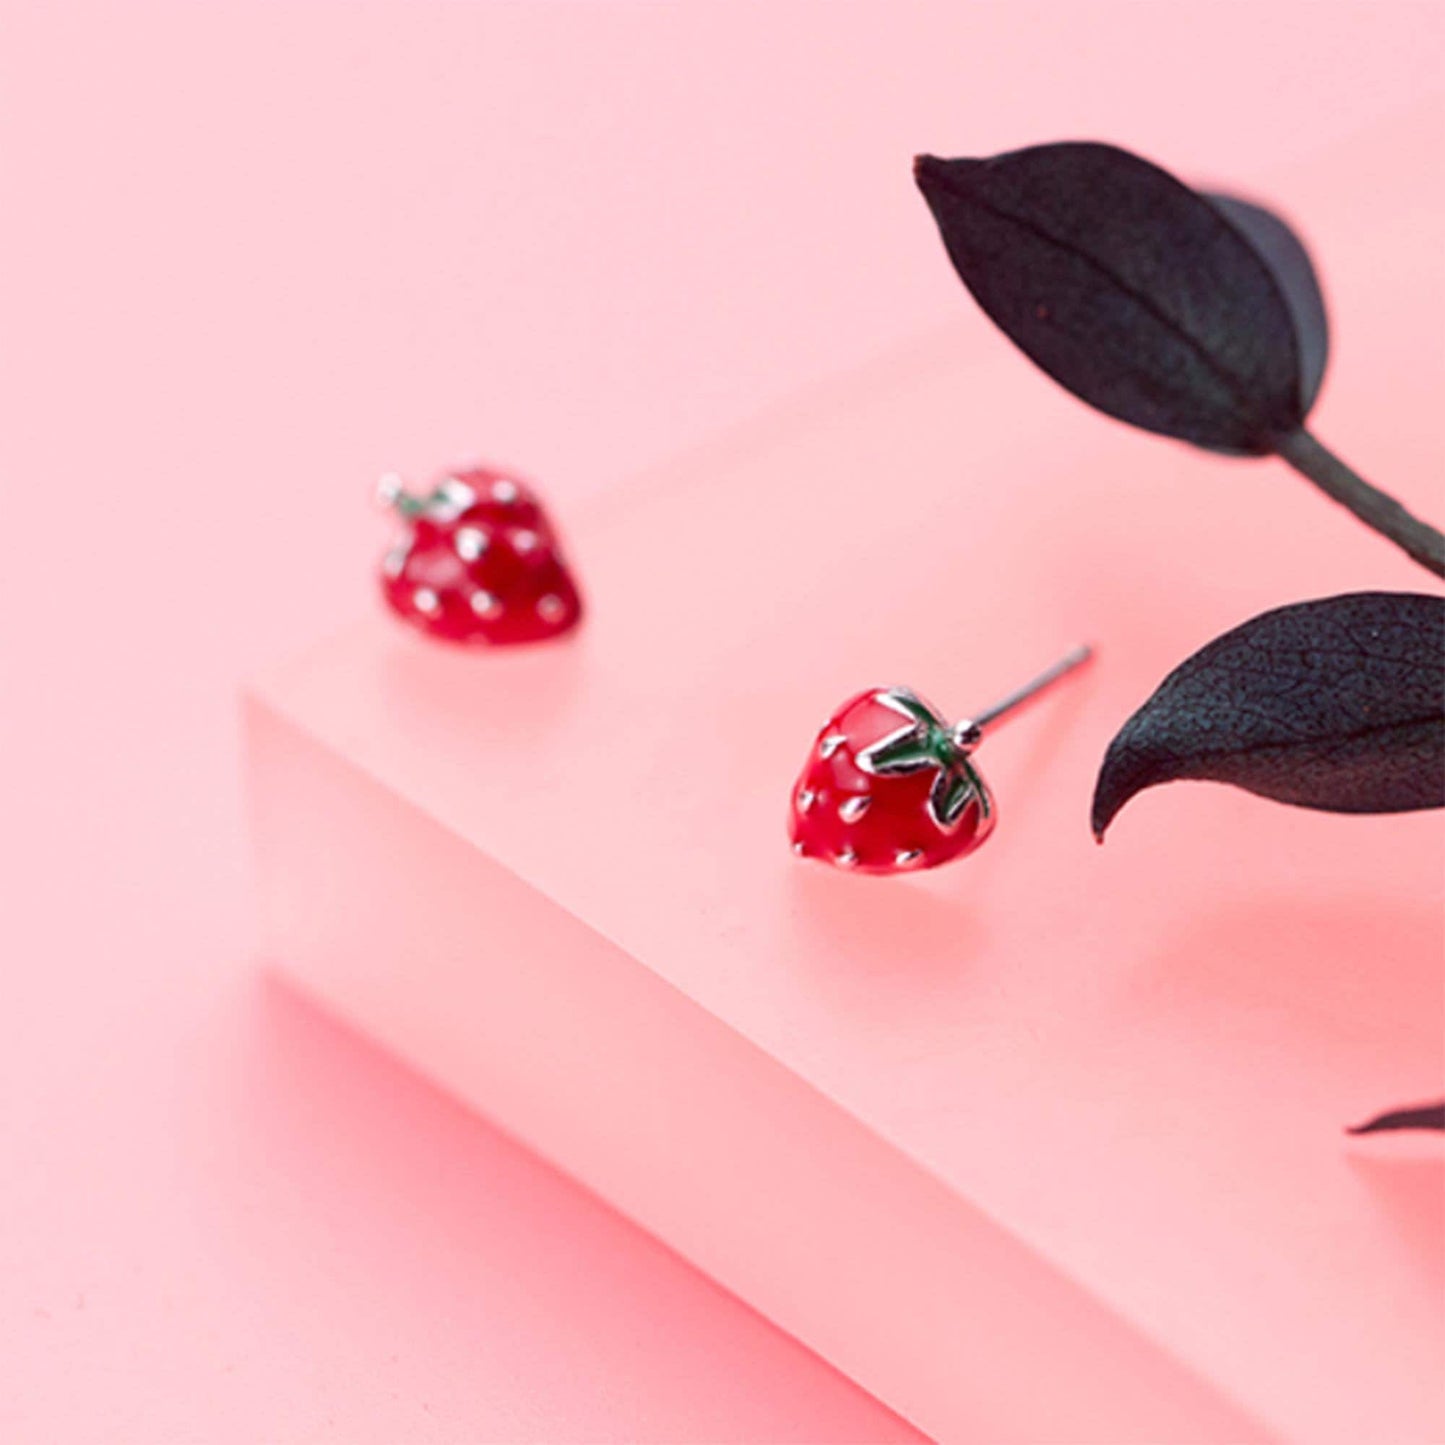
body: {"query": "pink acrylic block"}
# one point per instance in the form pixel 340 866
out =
pixel 1045 1145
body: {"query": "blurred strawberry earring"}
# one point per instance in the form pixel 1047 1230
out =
pixel 479 561
pixel 890 787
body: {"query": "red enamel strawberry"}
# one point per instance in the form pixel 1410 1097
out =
pixel 889 787
pixel 479 561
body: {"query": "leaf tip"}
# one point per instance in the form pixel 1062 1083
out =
pixel 1110 795
pixel 934 176
pixel 1423 1116
pixel 925 169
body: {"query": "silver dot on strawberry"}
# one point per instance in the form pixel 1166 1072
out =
pixel 479 561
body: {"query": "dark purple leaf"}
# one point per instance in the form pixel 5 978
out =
pixel 1285 255
pixel 1337 704
pixel 1423 1116
pixel 1127 287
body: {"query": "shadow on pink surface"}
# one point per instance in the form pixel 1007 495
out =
pixel 1405 1180
pixel 1314 964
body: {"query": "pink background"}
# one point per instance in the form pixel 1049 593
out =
pixel 254 253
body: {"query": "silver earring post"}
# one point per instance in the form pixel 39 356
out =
pixel 968 733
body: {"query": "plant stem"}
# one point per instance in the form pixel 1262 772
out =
pixel 1373 507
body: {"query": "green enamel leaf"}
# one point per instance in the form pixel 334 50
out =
pixel 907 751
pixel 985 802
pixel 914 705
pixel 951 794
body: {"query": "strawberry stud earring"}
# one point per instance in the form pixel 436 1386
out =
pixel 479 562
pixel 890 787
